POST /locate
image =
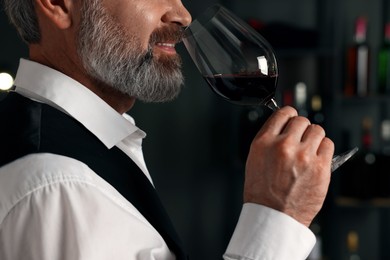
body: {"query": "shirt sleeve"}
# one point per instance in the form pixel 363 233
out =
pixel 266 234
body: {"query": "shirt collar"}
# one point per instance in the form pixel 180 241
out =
pixel 49 86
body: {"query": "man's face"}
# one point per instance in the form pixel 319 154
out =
pixel 129 46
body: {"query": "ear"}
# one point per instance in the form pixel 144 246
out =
pixel 58 11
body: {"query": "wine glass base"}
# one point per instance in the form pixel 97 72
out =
pixel 340 159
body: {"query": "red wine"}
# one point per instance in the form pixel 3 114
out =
pixel 243 89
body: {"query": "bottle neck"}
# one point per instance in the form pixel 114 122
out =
pixel 361 30
pixel 366 133
pixel 386 38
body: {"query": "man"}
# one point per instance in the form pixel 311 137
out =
pixel 73 182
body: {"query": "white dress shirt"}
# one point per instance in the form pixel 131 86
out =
pixel 56 207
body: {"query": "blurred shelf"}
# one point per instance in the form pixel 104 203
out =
pixel 356 100
pixel 284 53
pixel 360 203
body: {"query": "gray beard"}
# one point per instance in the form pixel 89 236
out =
pixel 111 56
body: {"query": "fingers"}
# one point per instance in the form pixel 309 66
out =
pixel 313 132
pixel 278 120
pixel 312 137
pixel 288 166
pixel 326 148
pixel 315 137
pixel 297 127
pixel 298 130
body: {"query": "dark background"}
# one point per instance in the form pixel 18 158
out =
pixel 196 145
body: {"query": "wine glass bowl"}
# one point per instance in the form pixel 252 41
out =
pixel 236 61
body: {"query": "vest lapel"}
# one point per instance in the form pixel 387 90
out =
pixel 34 127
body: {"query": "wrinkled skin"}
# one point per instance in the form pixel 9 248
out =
pixel 288 166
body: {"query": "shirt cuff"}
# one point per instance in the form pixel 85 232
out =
pixel 267 234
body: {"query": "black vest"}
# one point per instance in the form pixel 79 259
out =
pixel 32 127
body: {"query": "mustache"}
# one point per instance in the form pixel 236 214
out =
pixel 172 33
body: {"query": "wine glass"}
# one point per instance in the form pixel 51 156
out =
pixel 236 61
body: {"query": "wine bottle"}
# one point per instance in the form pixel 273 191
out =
pixel 300 98
pixel 384 63
pixel 385 136
pixel 367 135
pixel 358 61
pixel 382 160
pixel 369 160
pixel 353 245
pixel 317 116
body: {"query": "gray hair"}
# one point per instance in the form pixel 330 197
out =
pixel 23 16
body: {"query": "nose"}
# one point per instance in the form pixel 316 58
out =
pixel 177 14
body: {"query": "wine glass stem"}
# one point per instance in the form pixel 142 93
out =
pixel 272 104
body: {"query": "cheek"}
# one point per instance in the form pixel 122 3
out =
pixel 142 26
pixel 138 20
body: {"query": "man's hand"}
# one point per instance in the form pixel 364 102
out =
pixel 288 166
